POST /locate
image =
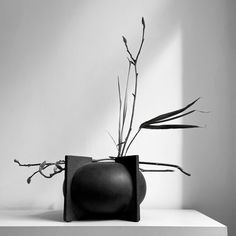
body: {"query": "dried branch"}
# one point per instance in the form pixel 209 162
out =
pixel 141 45
pixel 42 166
pixel 113 140
pixel 134 62
pixel 132 141
pixel 166 170
pixel 26 165
pixel 165 164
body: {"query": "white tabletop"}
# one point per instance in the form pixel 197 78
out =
pixel 164 222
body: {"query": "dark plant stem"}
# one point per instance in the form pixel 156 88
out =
pixel 134 63
pixel 132 141
pixel 38 164
pixel 145 170
pixel 164 164
pixel 128 51
pixel 133 109
pixel 142 41
pixel 113 140
pixel 42 166
pixel 26 165
pixel 151 163
pixel 40 170
pixel 52 174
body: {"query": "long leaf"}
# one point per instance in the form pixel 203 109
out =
pixel 120 106
pixel 169 114
pixel 125 100
pixel 171 126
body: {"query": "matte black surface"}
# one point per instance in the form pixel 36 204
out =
pixel 72 164
pixel 103 190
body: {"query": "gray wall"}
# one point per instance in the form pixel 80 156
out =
pixel 209 71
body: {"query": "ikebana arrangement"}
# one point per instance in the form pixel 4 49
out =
pixel 113 187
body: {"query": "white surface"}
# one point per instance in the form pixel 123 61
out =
pixel 159 222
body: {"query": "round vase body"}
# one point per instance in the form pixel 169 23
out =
pixel 104 188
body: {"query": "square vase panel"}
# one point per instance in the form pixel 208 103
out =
pixel 74 211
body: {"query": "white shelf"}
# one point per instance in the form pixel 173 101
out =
pixel 153 222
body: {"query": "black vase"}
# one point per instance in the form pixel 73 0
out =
pixel 103 190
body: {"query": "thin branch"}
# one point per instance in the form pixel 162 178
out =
pixel 42 166
pixel 41 170
pixel 127 49
pixel 166 170
pixel 135 61
pixel 26 165
pixel 133 108
pixel 112 139
pixel 52 174
pixel 132 140
pixel 30 177
pixel 38 164
pixel 141 45
pixel 164 164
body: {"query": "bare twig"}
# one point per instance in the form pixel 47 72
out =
pixel 135 61
pixel 42 166
pixel 112 139
pixel 26 165
pixel 50 175
pixel 61 162
pixel 166 170
pixel 132 140
pixel 128 51
pixel 141 45
pixel 164 164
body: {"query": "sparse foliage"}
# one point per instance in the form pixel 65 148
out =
pixel 124 142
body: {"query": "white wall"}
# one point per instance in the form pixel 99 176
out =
pixel 59 67
pixel 58 94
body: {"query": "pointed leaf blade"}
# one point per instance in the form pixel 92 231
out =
pixel 165 120
pixel 171 126
pixel 169 114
